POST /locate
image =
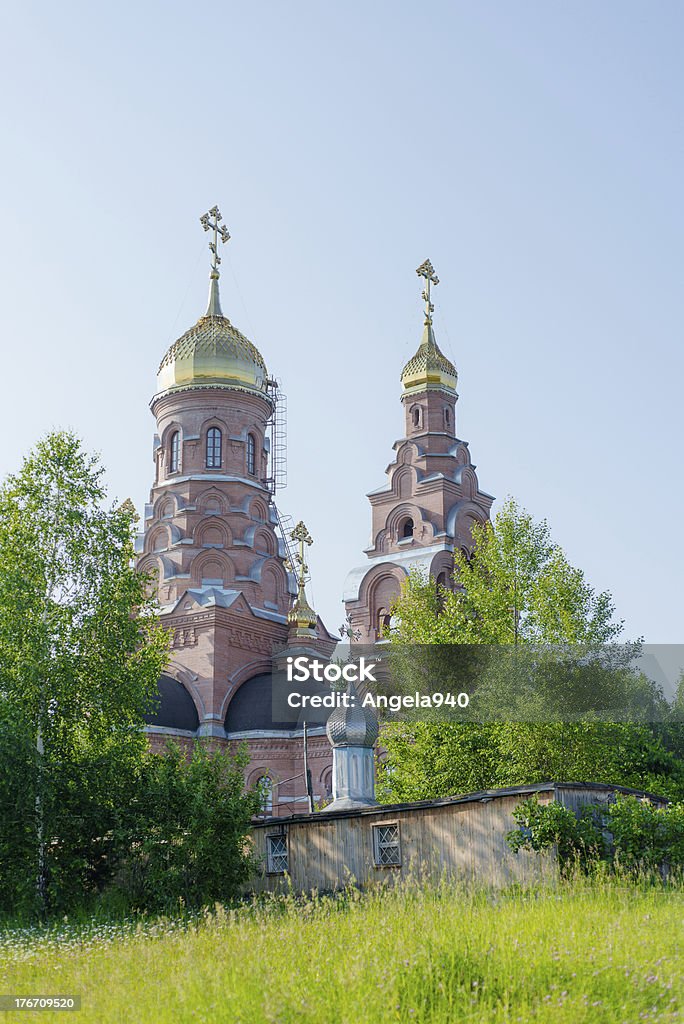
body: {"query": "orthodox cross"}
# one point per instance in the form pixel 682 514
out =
pixel 219 229
pixel 347 629
pixel 302 535
pixel 427 271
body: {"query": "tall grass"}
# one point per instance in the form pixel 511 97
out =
pixel 595 950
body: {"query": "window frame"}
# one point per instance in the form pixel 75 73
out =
pixel 380 845
pixel 271 839
pixel 174 452
pixel 404 525
pixel 250 454
pixel 267 809
pixel 211 459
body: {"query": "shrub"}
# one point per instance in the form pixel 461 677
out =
pixel 184 838
pixel 541 826
pixel 631 832
pixel 647 835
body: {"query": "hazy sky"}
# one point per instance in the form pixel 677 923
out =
pixel 532 150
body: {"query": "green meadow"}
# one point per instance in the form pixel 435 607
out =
pixel 594 951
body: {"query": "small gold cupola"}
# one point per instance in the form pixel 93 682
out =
pixel 213 353
pixel 301 617
pixel 429 369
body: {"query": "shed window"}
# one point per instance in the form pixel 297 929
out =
pixel 251 454
pixel 174 452
pixel 276 854
pixel 213 448
pixel 386 845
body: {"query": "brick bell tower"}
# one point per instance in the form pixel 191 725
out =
pixel 214 544
pixel 432 496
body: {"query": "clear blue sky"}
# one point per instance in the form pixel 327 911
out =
pixel 532 150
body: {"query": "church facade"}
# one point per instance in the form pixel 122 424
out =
pixel 230 591
pixel 213 544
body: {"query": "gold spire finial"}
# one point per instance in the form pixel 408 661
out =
pixel 220 230
pixel 302 614
pixel 429 368
pixel 427 271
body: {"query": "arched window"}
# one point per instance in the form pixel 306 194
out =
pixel 174 452
pixel 406 529
pixel 416 417
pixel 213 448
pixel 251 454
pixel 159 541
pixel 265 787
pixel 442 585
pixel 384 622
pixel 447 417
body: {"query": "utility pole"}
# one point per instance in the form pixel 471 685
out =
pixel 307 772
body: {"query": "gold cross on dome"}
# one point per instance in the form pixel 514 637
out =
pixel 302 535
pixel 427 271
pixel 219 229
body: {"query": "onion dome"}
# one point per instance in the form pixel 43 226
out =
pixel 429 369
pixel 353 726
pixel 301 615
pixel 213 353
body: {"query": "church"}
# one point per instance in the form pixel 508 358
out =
pixel 230 572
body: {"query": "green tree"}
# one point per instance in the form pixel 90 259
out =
pixel 80 655
pixel 518 587
pixel 185 839
pixel 518 590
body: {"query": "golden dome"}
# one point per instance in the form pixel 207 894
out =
pixel 429 368
pixel 213 352
pixel 302 614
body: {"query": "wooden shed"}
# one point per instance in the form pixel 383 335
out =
pixel 456 837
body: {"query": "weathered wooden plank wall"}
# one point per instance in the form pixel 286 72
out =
pixel 462 838
pixel 466 840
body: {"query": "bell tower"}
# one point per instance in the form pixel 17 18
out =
pixel 214 544
pixel 432 496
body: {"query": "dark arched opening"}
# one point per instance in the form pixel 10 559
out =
pixel 175 708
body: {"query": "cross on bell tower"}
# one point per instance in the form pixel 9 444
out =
pixel 427 271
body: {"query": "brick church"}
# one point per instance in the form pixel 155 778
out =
pixel 230 587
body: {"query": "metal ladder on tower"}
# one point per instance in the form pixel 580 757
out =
pixel 277 426
pixel 286 526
